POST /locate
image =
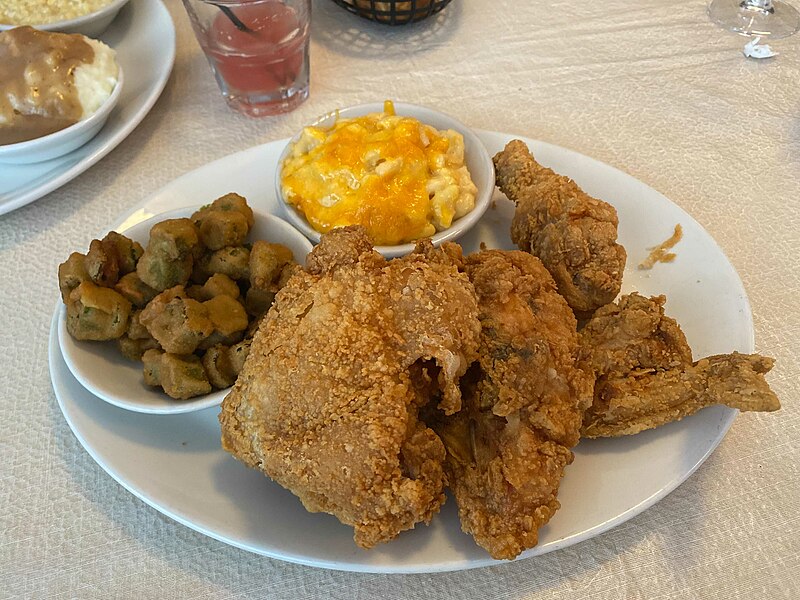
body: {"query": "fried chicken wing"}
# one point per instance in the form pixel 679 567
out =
pixel 646 377
pixel 523 403
pixel 327 403
pixel 573 234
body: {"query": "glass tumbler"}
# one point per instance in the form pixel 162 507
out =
pixel 257 49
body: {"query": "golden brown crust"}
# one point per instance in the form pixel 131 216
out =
pixel 646 377
pixel 327 402
pixel 508 447
pixel 572 233
pixel 633 333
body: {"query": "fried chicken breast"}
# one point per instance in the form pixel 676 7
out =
pixel 523 403
pixel 327 403
pixel 646 377
pixel 573 234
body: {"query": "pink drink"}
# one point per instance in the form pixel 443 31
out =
pixel 263 71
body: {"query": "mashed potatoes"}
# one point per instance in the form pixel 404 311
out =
pixel 399 178
pixel 49 81
pixel 37 12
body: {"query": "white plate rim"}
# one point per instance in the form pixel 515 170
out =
pixel 726 416
pixel 106 140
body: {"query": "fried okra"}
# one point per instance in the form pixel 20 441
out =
pixel 230 321
pixel 110 258
pixel 218 367
pixel 174 238
pixel 169 257
pixel 266 263
pixel 162 273
pixel 220 228
pixel 135 290
pixel 181 376
pixel 71 273
pixel 224 222
pixel 188 337
pixel 136 330
pixel 258 301
pixel 102 266
pixel 233 261
pixel 231 202
pixel 238 353
pixel 127 251
pixel 133 349
pixel 227 314
pixel 176 321
pixel 136 339
pixel 271 265
pixel 224 363
pixel 216 285
pixel 96 313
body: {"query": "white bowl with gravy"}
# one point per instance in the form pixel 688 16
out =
pixel 63 141
pixel 59 90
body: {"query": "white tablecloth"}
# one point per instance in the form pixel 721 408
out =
pixel 650 87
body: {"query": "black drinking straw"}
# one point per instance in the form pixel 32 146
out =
pixel 234 19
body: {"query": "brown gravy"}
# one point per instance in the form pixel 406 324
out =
pixel 38 94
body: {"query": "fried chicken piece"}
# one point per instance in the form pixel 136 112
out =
pixel 646 377
pixel 573 234
pixel 633 334
pixel 327 402
pixel 523 403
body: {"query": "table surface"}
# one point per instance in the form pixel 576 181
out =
pixel 650 87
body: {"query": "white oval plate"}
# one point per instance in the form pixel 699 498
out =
pixel 100 366
pixel 144 37
pixel 175 464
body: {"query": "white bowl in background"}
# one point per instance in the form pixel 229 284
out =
pixel 477 159
pixel 100 366
pixel 90 25
pixel 65 140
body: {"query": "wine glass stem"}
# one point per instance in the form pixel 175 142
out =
pixel 762 5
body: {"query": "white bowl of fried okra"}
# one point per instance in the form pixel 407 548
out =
pixel 158 318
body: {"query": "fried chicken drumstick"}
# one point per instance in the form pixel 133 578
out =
pixel 646 377
pixel 523 403
pixel 573 234
pixel 327 403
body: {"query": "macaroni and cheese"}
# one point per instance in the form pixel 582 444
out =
pixel 399 178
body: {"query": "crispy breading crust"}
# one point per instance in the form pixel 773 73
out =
pixel 646 377
pixel 524 399
pixel 573 234
pixel 328 399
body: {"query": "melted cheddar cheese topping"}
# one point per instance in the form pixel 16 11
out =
pixel 399 178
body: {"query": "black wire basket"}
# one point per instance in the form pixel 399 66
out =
pixel 393 12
